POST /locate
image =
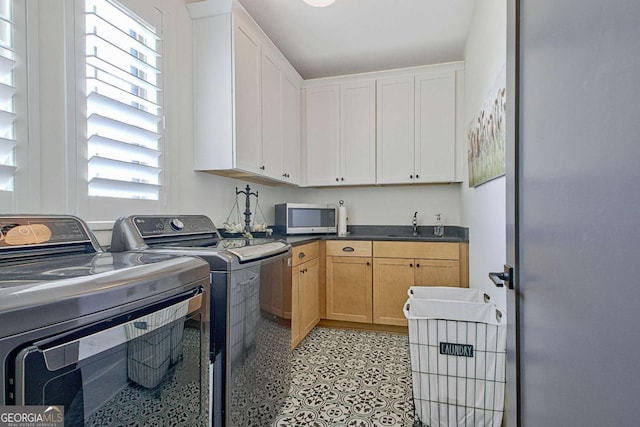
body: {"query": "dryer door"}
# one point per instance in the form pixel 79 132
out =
pixel 153 357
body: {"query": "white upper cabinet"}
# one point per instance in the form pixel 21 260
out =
pixel 322 135
pixel 435 127
pixel 389 127
pixel 417 127
pixel 340 134
pixel 271 118
pixel 247 100
pixel 395 123
pixel 280 122
pixel 247 59
pixel 291 119
pixel 358 133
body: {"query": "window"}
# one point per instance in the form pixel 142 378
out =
pixel 124 115
pixel 7 92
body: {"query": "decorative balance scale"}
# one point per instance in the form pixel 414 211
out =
pixel 236 228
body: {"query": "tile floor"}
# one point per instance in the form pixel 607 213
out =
pixel 349 378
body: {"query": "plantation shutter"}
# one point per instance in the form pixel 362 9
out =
pixel 124 115
pixel 7 92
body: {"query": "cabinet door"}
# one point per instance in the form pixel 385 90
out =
pixel 430 272
pixel 395 130
pixel 348 286
pixel 275 289
pixel 392 278
pixel 435 123
pixel 309 296
pixel 290 131
pixel 272 143
pixel 322 135
pixel 295 307
pixel 358 133
pixel 248 141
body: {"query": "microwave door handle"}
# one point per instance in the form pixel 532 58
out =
pixel 74 351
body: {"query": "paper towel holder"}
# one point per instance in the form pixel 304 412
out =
pixel 342 219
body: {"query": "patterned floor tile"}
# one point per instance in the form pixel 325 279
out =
pixel 349 378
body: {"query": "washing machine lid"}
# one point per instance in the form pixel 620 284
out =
pixel 194 234
pixel 50 290
pixel 52 269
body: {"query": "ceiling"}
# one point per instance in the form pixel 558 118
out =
pixel 356 36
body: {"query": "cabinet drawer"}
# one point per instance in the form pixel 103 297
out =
pixel 304 253
pixel 349 248
pixel 425 250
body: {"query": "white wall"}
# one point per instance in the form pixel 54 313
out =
pixel 483 207
pixel 393 205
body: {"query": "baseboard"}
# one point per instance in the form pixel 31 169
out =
pixel 371 327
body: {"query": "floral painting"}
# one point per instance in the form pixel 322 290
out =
pixel 486 136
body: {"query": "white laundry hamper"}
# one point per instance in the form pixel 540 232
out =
pixel 448 293
pixel 458 360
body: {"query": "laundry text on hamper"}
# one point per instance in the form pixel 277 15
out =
pixel 451 349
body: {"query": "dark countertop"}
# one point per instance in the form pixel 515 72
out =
pixel 400 233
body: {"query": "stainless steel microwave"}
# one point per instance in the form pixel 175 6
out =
pixel 305 218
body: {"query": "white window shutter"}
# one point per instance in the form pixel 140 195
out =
pixel 7 92
pixel 124 115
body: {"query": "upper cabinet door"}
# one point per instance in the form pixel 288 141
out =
pixel 435 132
pixel 290 131
pixel 248 141
pixel 358 133
pixel 395 130
pixel 272 131
pixel 247 101
pixel 322 132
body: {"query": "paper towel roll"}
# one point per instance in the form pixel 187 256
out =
pixel 342 221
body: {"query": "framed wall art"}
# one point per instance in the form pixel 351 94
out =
pixel 486 136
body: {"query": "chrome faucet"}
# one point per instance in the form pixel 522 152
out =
pixel 414 222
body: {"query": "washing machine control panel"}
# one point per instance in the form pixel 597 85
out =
pixel 20 231
pixel 177 224
pixel 149 226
